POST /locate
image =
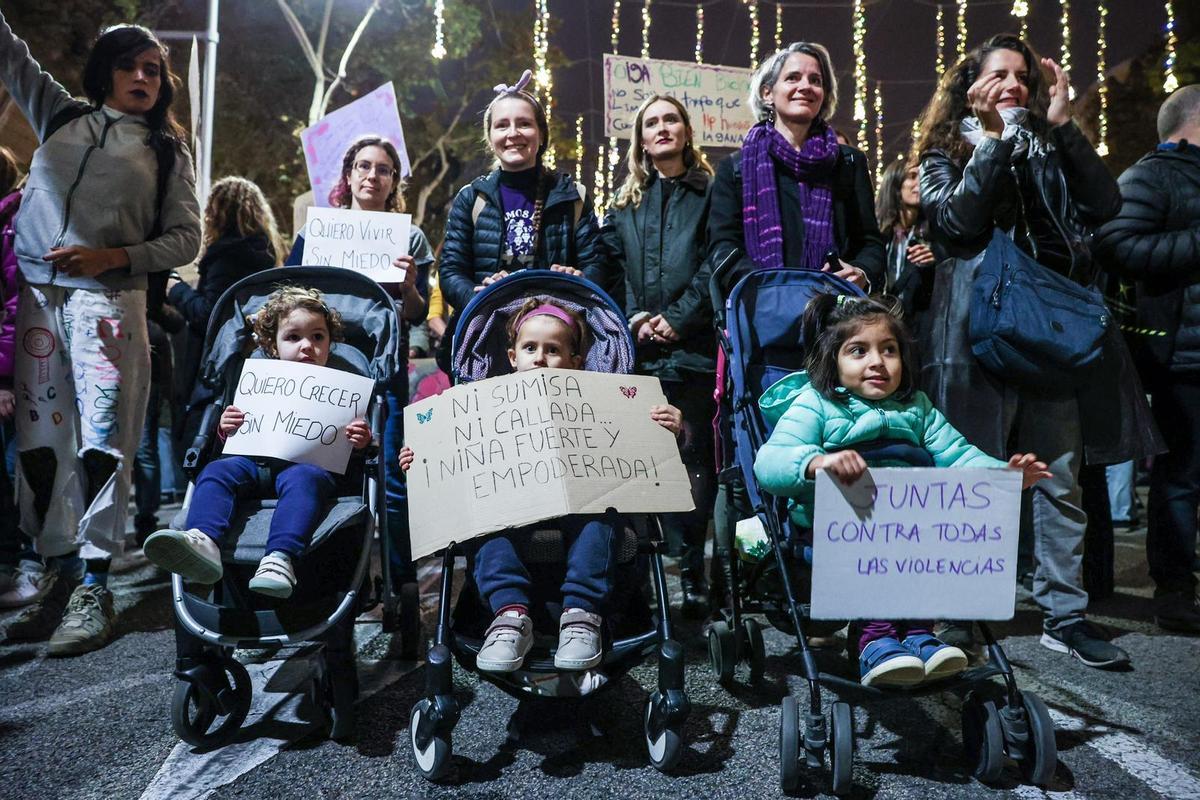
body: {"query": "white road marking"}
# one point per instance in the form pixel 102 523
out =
pixel 1034 793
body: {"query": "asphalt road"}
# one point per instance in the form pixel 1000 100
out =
pixel 98 725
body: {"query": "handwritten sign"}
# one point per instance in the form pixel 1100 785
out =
pixel 537 445
pixel 714 96
pixel 326 142
pixel 917 544
pixel 297 412
pixel 363 241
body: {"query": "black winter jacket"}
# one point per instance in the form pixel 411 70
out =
pixel 662 258
pixel 472 250
pixel 1155 240
pixel 856 235
pixel 964 203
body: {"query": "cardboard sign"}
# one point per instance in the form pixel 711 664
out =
pixel 917 544
pixel 297 412
pixel 714 96
pixel 326 142
pixel 362 241
pixel 537 445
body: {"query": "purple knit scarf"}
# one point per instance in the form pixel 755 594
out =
pixel 763 150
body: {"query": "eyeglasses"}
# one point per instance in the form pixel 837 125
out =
pixel 365 168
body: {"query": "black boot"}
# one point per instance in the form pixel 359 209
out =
pixel 696 601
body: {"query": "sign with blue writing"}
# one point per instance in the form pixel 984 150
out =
pixel 917 544
pixel 715 96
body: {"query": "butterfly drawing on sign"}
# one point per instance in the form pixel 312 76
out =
pixel 426 417
pixel 629 391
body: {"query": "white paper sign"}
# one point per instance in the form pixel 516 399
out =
pixel 537 445
pixel 715 96
pixel 917 544
pixel 326 142
pixel 297 412
pixel 362 241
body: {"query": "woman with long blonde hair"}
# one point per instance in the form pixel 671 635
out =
pixel 655 232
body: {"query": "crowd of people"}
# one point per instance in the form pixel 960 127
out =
pixel 100 334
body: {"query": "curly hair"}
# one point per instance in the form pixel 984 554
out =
pixel 940 119
pixel 284 301
pixel 237 206
pixel 831 319
pixel 518 316
pixel 640 167
pixel 340 195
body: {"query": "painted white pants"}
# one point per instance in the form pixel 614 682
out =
pixel 82 377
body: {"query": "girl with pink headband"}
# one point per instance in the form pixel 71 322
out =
pixel 543 333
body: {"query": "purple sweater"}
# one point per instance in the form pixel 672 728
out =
pixel 8 287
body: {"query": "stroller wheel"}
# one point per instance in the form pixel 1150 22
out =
pixel 983 737
pixel 434 759
pixel 841 751
pixel 196 708
pixel 758 651
pixel 1040 758
pixel 722 650
pixel 789 744
pixel 665 748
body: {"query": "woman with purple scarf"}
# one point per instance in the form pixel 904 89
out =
pixel 793 197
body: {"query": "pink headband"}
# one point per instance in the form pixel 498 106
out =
pixel 547 310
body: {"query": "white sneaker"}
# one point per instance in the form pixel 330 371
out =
pixel 192 555
pixel 30 584
pixel 579 646
pixel 506 644
pixel 275 576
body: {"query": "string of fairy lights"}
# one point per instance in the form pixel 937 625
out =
pixel 541 71
pixel 1170 82
pixel 1102 78
pixel 859 34
pixel 940 64
pixel 699 34
pixel 1020 10
pixel 961 27
pixel 1065 53
pixel 752 8
pixel 439 30
pixel 778 27
pixel 646 29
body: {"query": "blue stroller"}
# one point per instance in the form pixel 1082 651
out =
pixel 213 694
pixel 760 336
pixel 480 351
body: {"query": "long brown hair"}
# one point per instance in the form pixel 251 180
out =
pixel 889 208
pixel 340 195
pixel 940 120
pixel 640 166
pixel 237 205
pixel 832 319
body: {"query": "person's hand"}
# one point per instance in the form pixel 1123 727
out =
pixel 359 433
pixel 668 416
pixel 848 272
pixel 437 326
pixel 920 254
pixel 662 329
pixel 409 265
pixel 86 262
pixel 406 458
pixel 847 466
pixel 1059 111
pixel 578 273
pixel 8 404
pixel 1032 470
pixel 173 281
pixel 982 98
pixel 231 419
pixel 490 279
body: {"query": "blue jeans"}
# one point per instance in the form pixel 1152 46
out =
pixel 147 473
pixel 591 559
pixel 1120 490
pixel 396 506
pixel 303 490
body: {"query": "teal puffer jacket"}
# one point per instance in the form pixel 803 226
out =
pixel 808 424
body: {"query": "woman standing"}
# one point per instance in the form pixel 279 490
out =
pixel 998 149
pixel 655 232
pixel 909 256
pixel 110 199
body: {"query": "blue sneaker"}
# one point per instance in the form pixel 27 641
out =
pixel 941 660
pixel 888 664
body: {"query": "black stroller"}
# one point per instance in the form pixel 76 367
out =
pixel 479 351
pixel 761 340
pixel 213 694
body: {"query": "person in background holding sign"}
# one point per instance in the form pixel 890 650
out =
pixel 655 232
pixel 792 196
pixel 110 203
pixel 294 324
pixel 998 151
pixel 858 392
pixel 542 333
pixel 519 215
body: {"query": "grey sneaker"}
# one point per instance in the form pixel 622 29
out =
pixel 506 644
pixel 39 620
pixel 88 623
pixel 191 554
pixel 578 640
pixel 29 584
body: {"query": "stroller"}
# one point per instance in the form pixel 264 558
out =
pixel 213 694
pixel 761 340
pixel 480 351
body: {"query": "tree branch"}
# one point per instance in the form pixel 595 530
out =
pixel 301 37
pixel 341 71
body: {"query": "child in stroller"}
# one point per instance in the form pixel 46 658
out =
pixel 544 333
pixel 295 324
pixel 859 388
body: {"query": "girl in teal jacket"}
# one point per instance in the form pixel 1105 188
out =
pixel 857 390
